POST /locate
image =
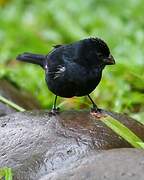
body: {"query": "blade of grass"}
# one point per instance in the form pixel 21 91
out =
pixel 1 173
pixel 123 131
pixel 13 105
pixel 141 144
pixel 6 173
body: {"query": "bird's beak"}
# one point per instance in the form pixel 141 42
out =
pixel 110 60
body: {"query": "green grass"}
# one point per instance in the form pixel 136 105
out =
pixel 124 132
pixel 6 173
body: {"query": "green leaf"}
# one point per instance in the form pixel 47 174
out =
pixel 6 173
pixel 123 131
pixel 141 144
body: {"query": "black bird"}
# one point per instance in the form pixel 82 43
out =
pixel 73 69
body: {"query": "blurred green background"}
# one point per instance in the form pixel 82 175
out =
pixel 35 26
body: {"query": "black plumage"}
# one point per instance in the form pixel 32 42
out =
pixel 73 69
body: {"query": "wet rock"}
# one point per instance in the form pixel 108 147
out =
pixel 37 143
pixel 5 109
pixel 21 98
pixel 116 164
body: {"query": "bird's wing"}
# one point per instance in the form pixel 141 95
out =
pixel 62 61
pixel 71 52
pixel 57 71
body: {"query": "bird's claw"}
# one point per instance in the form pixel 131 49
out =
pixel 55 111
pixel 96 112
pixel 95 108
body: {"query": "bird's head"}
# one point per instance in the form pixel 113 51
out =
pixel 99 53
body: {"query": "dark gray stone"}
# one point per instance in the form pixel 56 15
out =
pixel 116 164
pixel 37 143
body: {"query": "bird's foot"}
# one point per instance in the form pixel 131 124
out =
pixel 54 111
pixel 98 113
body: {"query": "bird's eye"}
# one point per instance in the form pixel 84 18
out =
pixel 100 55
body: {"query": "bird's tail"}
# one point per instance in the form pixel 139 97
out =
pixel 32 58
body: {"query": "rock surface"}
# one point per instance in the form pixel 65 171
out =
pixel 116 164
pixel 21 98
pixel 37 143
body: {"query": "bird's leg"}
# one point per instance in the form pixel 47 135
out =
pixel 94 108
pixel 95 111
pixel 55 109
